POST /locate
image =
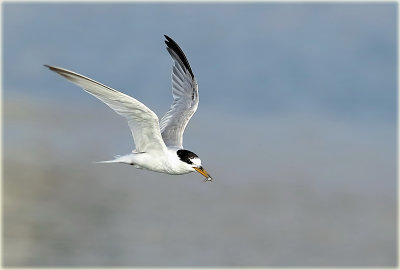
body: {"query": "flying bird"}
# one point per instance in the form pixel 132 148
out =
pixel 158 144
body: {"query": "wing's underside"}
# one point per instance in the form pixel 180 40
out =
pixel 142 121
pixel 185 94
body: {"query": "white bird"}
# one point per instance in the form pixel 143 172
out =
pixel 159 145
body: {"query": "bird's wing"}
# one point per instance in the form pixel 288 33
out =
pixel 142 121
pixel 185 94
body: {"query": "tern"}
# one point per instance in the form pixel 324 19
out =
pixel 158 144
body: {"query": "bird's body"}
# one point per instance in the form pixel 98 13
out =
pixel 167 162
pixel 158 144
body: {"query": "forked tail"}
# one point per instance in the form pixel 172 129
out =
pixel 118 159
pixel 108 161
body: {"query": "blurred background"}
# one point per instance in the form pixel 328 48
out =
pixel 297 125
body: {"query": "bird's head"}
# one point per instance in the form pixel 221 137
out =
pixel 193 162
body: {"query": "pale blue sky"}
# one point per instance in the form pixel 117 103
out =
pixel 249 58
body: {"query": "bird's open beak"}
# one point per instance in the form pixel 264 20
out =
pixel 204 173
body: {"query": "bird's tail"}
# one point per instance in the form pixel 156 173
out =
pixel 117 159
pixel 107 161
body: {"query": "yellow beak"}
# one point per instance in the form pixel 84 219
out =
pixel 204 173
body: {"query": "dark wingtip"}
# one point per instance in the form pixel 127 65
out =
pixel 55 69
pixel 168 40
pixel 172 45
pixel 50 67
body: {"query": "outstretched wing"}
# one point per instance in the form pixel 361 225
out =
pixel 142 121
pixel 185 94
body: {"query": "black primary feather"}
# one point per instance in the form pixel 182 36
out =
pixel 172 45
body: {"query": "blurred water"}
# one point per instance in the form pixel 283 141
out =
pixel 297 124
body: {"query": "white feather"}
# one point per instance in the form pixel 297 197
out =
pixel 186 99
pixel 142 121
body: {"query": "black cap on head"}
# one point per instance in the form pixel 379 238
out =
pixel 186 155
